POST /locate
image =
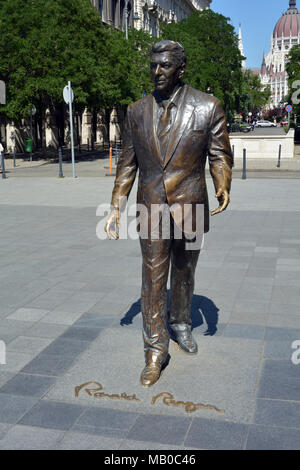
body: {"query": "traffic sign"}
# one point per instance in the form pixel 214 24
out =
pixel 66 94
pixel 289 108
pixel 68 97
pixel 32 110
pixel 2 92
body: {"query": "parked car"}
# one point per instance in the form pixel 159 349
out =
pixel 284 123
pixel 264 123
pixel 239 127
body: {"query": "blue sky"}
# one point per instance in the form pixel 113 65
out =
pixel 258 19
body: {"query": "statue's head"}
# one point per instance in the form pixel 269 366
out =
pixel 167 65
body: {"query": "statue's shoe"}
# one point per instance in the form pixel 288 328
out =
pixel 150 374
pixel 184 338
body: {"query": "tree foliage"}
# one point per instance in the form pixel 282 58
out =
pixel 215 62
pixel 45 43
pixel 254 95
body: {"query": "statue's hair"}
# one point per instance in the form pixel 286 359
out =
pixel 171 46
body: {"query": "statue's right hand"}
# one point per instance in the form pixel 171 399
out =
pixel 113 224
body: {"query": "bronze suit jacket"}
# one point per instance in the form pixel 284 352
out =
pixel 199 131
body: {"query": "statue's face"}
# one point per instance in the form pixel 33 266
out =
pixel 165 72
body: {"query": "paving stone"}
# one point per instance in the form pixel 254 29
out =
pixel 61 318
pixel 49 364
pixel 46 330
pixel 81 333
pixel 15 361
pixel 280 368
pixel 52 415
pixel 98 431
pixel 216 435
pixel 28 314
pixel 4 428
pixel 5 376
pixel 140 445
pixel 81 441
pixel 66 347
pixel 30 438
pixel 281 334
pixel 158 428
pixel 28 344
pixel 12 407
pixel 28 385
pixel 94 320
pixel 248 318
pixel 273 438
pixel 277 350
pixel 277 413
pixel 250 306
pixel 107 418
pixel 279 387
pixel 244 331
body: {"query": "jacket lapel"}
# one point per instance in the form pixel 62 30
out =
pixel 183 116
pixel 149 126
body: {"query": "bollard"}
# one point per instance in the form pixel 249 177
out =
pixel 279 156
pixel 60 175
pixel 15 157
pixel 88 145
pixel 2 165
pixel 110 160
pixel 244 176
pixel 116 155
pixel 233 155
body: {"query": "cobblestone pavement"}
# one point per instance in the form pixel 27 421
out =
pixel 70 314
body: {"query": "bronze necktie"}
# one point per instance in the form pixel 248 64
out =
pixel 163 129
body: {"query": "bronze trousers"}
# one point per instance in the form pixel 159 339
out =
pixel 157 257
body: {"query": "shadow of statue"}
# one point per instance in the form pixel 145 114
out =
pixel 202 308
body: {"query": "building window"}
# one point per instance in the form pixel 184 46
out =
pixel 100 4
pixel 122 6
pixel 113 8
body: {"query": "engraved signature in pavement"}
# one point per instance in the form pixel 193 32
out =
pixel 189 406
pixel 97 393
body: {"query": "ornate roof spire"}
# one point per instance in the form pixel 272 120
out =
pixel 292 3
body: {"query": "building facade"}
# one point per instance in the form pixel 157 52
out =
pixel 147 14
pixel 286 34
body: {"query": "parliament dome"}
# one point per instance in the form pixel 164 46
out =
pixel 289 23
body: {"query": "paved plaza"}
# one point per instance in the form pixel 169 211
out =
pixel 70 315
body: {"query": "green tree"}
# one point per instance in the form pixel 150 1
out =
pixel 214 59
pixel 293 70
pixel 45 43
pixel 253 95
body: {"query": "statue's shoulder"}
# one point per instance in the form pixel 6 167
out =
pixel 199 98
pixel 139 104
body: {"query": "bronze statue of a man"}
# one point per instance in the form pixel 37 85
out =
pixel 167 137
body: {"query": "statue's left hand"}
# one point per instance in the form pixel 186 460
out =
pixel 224 199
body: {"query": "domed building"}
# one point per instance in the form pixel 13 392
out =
pixel 286 34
